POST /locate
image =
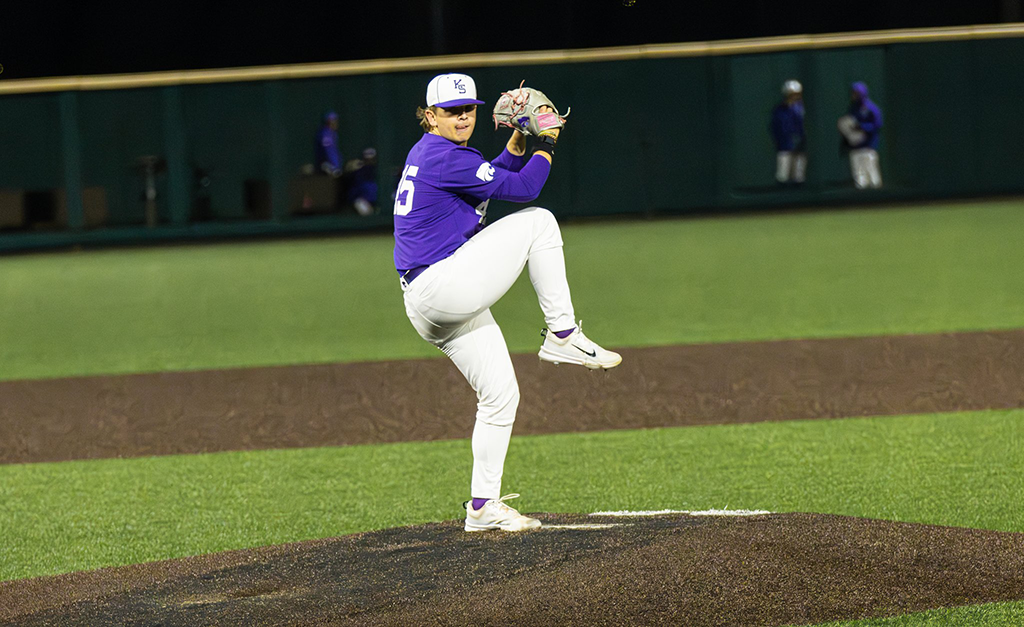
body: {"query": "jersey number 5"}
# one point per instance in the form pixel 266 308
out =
pixel 406 189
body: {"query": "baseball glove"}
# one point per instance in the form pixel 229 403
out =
pixel 518 109
pixel 850 131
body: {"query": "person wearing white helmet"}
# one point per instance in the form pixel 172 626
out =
pixel 787 128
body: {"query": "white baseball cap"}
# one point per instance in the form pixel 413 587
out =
pixel 792 87
pixel 451 90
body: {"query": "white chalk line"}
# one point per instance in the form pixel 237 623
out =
pixel 589 526
pixel 706 512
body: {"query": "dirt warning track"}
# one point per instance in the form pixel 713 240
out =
pixel 677 569
pixel 362 403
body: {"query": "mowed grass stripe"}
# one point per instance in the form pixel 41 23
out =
pixel 963 469
pixel 984 615
pixel 828 274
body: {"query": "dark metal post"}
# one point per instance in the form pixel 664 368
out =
pixel 178 172
pixel 278 175
pixel 71 145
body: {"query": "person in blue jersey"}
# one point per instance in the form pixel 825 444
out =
pixel 861 128
pixel 328 156
pixel 453 267
pixel 787 128
pixel 361 175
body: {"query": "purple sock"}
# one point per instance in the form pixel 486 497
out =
pixel 478 503
pixel 564 334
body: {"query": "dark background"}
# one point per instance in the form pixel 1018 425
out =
pixel 73 38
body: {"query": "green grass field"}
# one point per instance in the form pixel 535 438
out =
pixel 847 273
pixel 989 614
pixel 634 284
pixel 956 469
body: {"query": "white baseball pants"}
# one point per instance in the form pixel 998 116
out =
pixel 790 166
pixel 449 305
pixel 865 168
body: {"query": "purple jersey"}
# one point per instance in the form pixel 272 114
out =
pixel 787 126
pixel 869 120
pixel 442 197
pixel 327 148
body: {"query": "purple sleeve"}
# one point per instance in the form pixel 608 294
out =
pixel 508 161
pixel 876 119
pixel 329 149
pixel 465 172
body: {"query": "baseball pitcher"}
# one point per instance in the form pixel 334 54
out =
pixel 452 268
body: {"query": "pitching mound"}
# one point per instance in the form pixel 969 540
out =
pixel 771 569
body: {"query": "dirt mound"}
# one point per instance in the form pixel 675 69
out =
pixel 339 404
pixel 773 569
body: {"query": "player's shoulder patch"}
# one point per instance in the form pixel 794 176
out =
pixel 485 172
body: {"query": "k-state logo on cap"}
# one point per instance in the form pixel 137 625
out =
pixel 458 85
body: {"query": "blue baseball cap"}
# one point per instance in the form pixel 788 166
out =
pixel 451 90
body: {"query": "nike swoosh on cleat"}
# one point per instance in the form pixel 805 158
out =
pixel 591 353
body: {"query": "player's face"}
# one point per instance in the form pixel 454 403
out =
pixel 456 124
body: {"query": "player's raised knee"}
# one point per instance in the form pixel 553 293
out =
pixel 542 214
pixel 545 225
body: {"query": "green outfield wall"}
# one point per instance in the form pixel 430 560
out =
pixel 646 135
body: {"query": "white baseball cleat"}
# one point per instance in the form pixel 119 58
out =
pixel 496 515
pixel 577 349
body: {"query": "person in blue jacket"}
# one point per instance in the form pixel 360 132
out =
pixel 787 128
pixel 861 128
pixel 362 182
pixel 328 157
